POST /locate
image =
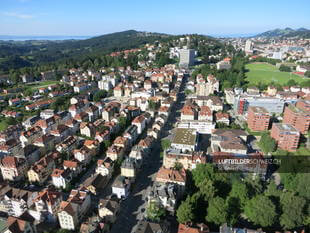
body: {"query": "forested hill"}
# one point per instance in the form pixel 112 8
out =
pixel 14 55
pixel 286 32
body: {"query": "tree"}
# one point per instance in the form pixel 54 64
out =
pixel 28 92
pixel 155 211
pixel 272 190
pixel 122 122
pixel 207 189
pixel 240 191
pixel 261 211
pixel 292 208
pixel 188 92
pixel 284 68
pixel 185 212
pixel 99 95
pixel 203 172
pixel 291 83
pixel 305 83
pixel 153 105
pixel 307 73
pixel 267 143
pixel 217 211
pixel 165 144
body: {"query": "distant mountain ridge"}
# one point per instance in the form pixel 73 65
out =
pixel 286 32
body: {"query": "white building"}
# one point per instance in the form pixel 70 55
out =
pixel 121 186
pixel 187 57
pixel 202 126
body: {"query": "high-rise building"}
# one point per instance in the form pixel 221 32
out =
pixel 258 119
pixel 303 104
pixel 286 136
pixel 187 57
pixel 297 117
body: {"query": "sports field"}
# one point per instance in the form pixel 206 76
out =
pixel 266 73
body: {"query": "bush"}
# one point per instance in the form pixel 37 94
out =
pixel 284 68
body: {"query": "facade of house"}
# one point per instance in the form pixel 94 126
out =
pixel 286 136
pixel 121 186
pixel 47 204
pixel 12 168
pixel 187 160
pixel 61 178
pixel 230 140
pixel 258 119
pixel 41 170
pixel 73 210
pixel 108 210
pixel 297 117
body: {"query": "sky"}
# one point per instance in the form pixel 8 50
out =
pixel 97 17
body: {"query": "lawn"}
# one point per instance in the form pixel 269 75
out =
pixel 42 84
pixel 266 73
pixel 3 125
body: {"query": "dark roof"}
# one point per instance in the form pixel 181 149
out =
pixel 148 227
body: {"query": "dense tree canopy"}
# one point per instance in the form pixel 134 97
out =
pixel 261 211
pixel 217 211
pixel 185 211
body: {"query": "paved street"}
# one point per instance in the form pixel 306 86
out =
pixel 130 211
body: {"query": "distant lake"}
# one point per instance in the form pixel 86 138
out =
pixel 22 38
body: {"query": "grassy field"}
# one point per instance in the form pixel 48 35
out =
pixel 42 84
pixel 266 73
pixel 3 125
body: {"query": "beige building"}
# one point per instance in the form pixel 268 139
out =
pixel 41 170
pixel 128 168
pixel 13 168
pixel 187 160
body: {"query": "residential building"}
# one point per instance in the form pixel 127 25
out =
pixel 166 175
pixel 187 57
pixel 74 209
pixel 47 204
pixel 199 228
pixel 61 178
pixel 258 119
pixel 185 139
pixel 297 117
pixel 12 168
pixel 121 186
pixel 88 129
pixel 286 136
pixel 21 224
pixel 108 210
pixel 187 160
pixel 222 117
pixel 229 140
pixel 150 227
pixel 223 65
pixel 95 183
pixel 17 201
pixel 164 195
pixel 128 168
pixel 105 167
pixel 140 122
pixel 41 170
